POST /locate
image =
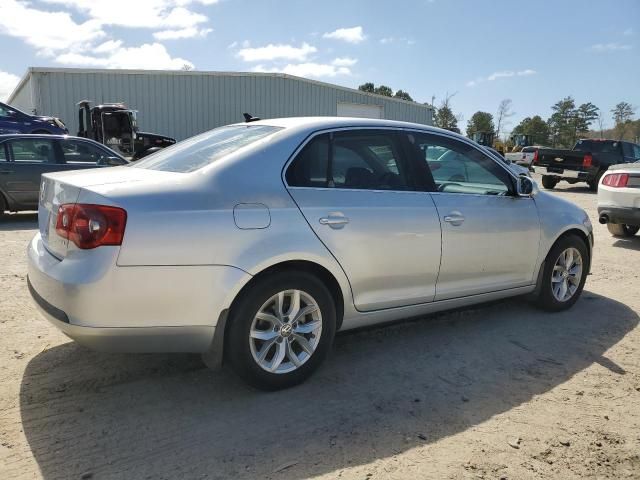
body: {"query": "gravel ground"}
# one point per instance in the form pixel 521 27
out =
pixel 496 391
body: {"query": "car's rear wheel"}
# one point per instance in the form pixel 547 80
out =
pixel 564 275
pixel 593 185
pixel 549 182
pixel 281 330
pixel 622 230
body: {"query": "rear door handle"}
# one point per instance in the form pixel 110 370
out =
pixel 334 220
pixel 454 218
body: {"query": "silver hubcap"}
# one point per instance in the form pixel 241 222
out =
pixel 567 273
pixel 285 332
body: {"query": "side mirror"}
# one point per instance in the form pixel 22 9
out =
pixel 525 186
pixel 111 161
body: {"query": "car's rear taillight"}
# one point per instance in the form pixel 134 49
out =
pixel 587 160
pixel 535 157
pixel 616 180
pixel 90 226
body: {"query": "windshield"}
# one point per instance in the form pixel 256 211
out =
pixel 204 149
pixel 592 146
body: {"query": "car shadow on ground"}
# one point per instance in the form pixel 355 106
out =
pixel 19 221
pixel 632 243
pixel 382 391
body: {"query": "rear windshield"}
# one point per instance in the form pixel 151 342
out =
pixel 592 146
pixel 529 149
pixel 199 151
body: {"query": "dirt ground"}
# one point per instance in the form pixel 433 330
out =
pixel 499 391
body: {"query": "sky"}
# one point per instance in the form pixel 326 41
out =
pixel 534 53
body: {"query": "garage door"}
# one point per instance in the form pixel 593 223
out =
pixel 359 110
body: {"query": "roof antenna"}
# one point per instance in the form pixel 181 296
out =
pixel 250 118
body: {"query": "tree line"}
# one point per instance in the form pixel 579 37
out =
pixel 568 122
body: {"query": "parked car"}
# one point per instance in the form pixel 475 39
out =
pixel 13 120
pixel 587 162
pixel 260 240
pixel 619 199
pixel 517 169
pixel 524 157
pixel 24 158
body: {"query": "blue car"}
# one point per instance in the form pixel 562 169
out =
pixel 13 120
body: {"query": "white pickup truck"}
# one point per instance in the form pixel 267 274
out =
pixel 524 157
pixel 619 199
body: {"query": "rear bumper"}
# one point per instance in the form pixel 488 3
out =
pixel 573 174
pixel 130 309
pixel 622 215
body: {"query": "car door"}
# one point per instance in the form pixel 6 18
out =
pixel 490 236
pixel 30 157
pixel 355 189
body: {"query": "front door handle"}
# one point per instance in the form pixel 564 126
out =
pixel 334 220
pixel 454 218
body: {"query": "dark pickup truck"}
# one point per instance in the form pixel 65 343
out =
pixel 587 162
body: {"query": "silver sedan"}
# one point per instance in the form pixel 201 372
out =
pixel 254 243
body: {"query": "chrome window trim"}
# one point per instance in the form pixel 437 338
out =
pixel 443 134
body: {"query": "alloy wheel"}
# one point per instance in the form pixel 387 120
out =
pixel 566 275
pixel 286 331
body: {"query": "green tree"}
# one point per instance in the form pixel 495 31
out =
pixel 534 126
pixel 384 91
pixel 561 122
pixel 403 95
pixel 622 116
pixel 367 87
pixel 586 114
pixel 480 122
pixel 446 119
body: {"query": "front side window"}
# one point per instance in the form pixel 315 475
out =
pixel 77 151
pixel 359 159
pixel 33 150
pixel 459 168
pixel 204 149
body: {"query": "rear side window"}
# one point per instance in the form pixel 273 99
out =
pixel 358 159
pixel 202 150
pixel 36 150
pixel 598 146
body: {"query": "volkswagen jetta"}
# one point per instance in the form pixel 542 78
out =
pixel 256 242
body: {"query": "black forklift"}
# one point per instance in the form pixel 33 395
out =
pixel 115 125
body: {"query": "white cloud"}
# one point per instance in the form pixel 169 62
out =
pixel 44 30
pixel 389 40
pixel 350 35
pixel 609 47
pixel 149 56
pixel 275 52
pixel 189 32
pixel 501 74
pixel 344 62
pixel 8 82
pixel 168 14
pixel 108 46
pixel 310 69
pixel 628 32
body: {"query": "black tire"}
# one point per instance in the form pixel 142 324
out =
pixel 622 230
pixel 3 206
pixel 549 182
pixel 593 184
pixel 546 299
pixel 237 347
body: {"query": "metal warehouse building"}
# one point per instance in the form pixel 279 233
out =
pixel 183 103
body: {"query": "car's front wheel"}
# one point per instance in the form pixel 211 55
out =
pixel 622 230
pixel 565 271
pixel 281 330
pixel 549 182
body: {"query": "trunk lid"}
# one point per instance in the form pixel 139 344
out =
pixel 65 187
